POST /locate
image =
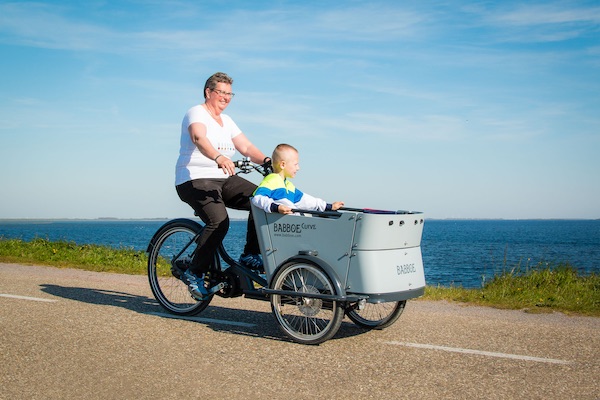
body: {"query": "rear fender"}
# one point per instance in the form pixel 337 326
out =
pixel 339 288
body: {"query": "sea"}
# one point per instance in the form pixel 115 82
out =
pixel 464 253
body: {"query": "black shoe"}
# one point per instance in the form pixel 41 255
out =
pixel 252 261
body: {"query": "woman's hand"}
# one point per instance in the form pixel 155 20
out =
pixel 226 165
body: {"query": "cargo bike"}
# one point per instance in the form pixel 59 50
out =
pixel 318 267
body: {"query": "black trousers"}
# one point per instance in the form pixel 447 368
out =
pixel 209 199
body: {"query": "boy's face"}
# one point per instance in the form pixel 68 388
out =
pixel 291 164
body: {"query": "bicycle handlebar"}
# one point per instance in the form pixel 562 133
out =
pixel 246 166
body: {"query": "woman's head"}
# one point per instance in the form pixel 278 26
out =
pixel 218 77
pixel 217 93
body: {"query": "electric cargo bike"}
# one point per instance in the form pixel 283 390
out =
pixel 318 267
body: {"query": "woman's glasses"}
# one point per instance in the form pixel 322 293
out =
pixel 223 94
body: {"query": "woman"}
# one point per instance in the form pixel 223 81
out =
pixel 206 180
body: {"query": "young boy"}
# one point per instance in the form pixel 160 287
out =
pixel 276 193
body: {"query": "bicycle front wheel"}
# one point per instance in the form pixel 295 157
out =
pixel 307 320
pixel 169 254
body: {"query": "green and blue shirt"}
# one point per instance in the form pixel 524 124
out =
pixel 274 190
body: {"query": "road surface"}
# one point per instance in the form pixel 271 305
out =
pixel 70 334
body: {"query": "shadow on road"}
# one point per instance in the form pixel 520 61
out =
pixel 141 304
pixel 257 323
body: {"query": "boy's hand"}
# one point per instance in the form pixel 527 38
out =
pixel 337 205
pixel 281 209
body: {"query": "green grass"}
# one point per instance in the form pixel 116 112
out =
pixel 71 255
pixel 540 288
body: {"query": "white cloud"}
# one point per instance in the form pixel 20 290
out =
pixel 422 85
pixel 549 14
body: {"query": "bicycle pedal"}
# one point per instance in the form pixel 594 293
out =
pixel 203 295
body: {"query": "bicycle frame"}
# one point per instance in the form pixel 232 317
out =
pixel 250 275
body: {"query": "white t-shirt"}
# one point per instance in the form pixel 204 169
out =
pixel 192 164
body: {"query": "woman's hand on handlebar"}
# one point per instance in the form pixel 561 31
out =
pixel 267 165
pixel 226 165
pixel 246 166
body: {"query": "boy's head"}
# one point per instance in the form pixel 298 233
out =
pixel 285 160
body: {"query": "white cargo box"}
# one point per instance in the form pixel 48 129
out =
pixel 373 254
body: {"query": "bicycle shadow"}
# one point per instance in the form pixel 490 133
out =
pixel 220 319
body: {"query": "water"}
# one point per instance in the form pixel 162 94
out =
pixel 468 252
pixel 461 252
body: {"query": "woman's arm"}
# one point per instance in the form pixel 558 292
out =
pixel 244 146
pixel 197 132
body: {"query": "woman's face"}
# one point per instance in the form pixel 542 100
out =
pixel 219 97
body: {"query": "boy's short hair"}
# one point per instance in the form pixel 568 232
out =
pixel 279 153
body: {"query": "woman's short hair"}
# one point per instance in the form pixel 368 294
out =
pixel 211 83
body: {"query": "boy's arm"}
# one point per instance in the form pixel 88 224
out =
pixel 265 203
pixel 268 205
pixel 308 202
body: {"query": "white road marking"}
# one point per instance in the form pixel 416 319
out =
pixel 204 320
pixel 14 296
pixel 481 353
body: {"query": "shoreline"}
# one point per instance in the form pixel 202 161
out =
pixel 108 219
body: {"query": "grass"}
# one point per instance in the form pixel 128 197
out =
pixel 71 255
pixel 541 288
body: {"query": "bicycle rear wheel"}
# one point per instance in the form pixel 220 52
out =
pixel 376 315
pixel 169 254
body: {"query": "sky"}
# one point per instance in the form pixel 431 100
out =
pixel 458 109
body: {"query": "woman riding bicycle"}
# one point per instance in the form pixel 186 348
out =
pixel 206 180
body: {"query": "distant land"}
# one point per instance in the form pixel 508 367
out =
pixel 101 219
pixel 244 219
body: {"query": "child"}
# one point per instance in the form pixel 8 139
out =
pixel 276 193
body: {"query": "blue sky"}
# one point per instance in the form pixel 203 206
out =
pixel 459 109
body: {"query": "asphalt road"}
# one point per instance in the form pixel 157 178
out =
pixel 69 334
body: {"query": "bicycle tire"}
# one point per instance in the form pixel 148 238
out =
pixel 174 242
pixel 376 315
pixel 306 320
